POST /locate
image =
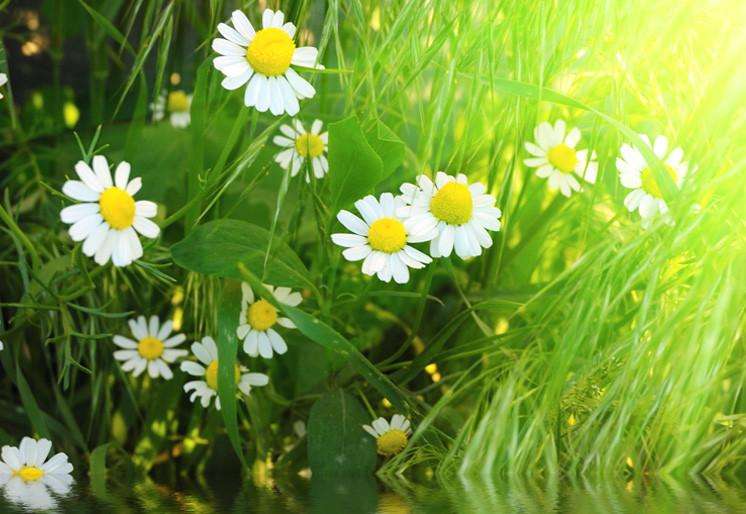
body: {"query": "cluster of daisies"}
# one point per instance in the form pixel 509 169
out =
pixel 153 346
pixel 556 158
pixel 449 213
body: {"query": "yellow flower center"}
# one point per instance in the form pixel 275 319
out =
pixel 452 204
pixel 30 473
pixel 150 348
pixel 178 101
pixel 270 52
pixel 650 185
pixel 563 158
pixel 117 207
pixel 309 145
pixel 211 375
pixel 391 442
pixel 387 235
pixel 261 315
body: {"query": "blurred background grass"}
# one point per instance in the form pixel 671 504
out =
pixel 578 343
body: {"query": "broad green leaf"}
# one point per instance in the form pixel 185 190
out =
pixel 329 338
pixel 216 248
pixel 227 348
pixel 354 166
pixel 337 443
pixel 388 146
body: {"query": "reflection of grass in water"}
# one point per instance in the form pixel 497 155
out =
pixel 633 335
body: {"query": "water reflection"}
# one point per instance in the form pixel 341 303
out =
pixel 368 495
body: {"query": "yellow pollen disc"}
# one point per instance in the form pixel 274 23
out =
pixel 387 235
pixel 30 473
pixel 261 315
pixel 150 348
pixel 563 158
pixel 452 204
pixel 117 207
pixel 650 185
pixel 178 101
pixel 211 375
pixel 309 145
pixel 391 442
pixel 270 52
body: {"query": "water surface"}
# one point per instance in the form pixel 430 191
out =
pixel 369 495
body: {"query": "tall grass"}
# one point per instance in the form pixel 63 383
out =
pixel 579 343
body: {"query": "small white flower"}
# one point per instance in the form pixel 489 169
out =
pixel 110 219
pixel 381 239
pixel 646 196
pixel 27 477
pixel 1 346
pixel 207 353
pixel 262 59
pixel 301 145
pixel 391 438
pixel 152 348
pixel 450 213
pixel 258 317
pixel 556 158
pixel 3 81
pixel 176 104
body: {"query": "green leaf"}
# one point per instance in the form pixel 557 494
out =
pixel 388 146
pixel 337 443
pixel 227 348
pixel 215 248
pixel 108 27
pixel 354 166
pixel 323 334
pixel 34 413
pixel 97 471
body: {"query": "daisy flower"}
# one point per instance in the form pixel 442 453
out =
pixel 301 145
pixel 555 157
pixel 450 213
pixel 207 354
pixel 26 475
pixel 109 219
pixel 262 59
pixel 176 104
pixel 646 196
pixel 381 239
pixel 258 316
pixel 152 348
pixel 3 81
pixel 391 438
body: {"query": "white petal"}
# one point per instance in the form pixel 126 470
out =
pixel 101 169
pixel 352 222
pixel 146 208
pixel 234 82
pixel 146 227
pixel 300 85
pixel 77 212
pixel 243 25
pixel 82 228
pixel 225 47
pixel 232 35
pixel 122 175
pixel 88 177
pixel 305 56
pixel 77 190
